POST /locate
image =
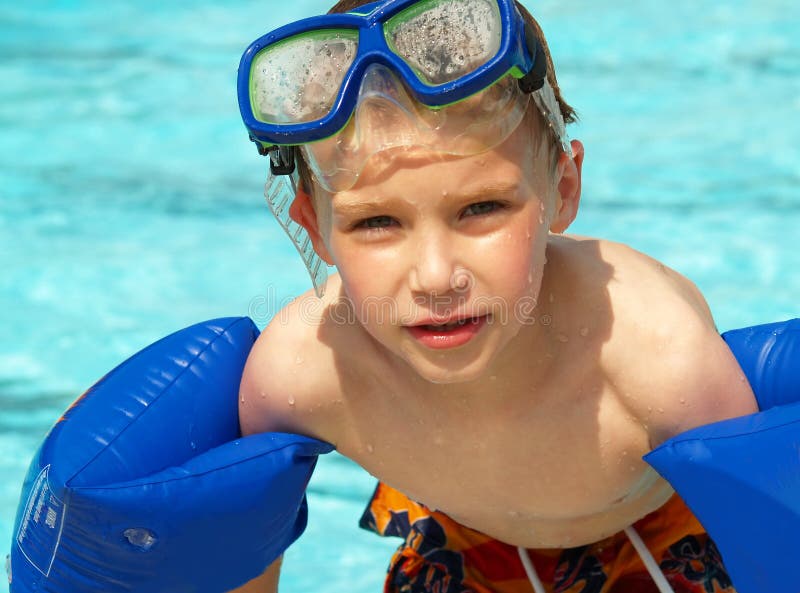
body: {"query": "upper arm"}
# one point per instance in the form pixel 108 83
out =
pixel 680 374
pixel 261 385
pixel 283 386
pixel 701 382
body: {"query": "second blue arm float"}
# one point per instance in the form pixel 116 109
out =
pixel 145 485
pixel 741 477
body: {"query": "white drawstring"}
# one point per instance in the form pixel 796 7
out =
pixel 640 547
pixel 530 570
pixel 649 562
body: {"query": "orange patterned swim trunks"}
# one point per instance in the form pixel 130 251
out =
pixel 439 555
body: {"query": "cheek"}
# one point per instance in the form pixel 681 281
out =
pixel 519 252
pixel 514 269
pixel 361 284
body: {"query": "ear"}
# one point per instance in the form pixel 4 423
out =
pixel 303 213
pixel 569 188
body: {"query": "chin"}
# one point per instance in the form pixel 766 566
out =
pixel 448 376
pixel 451 369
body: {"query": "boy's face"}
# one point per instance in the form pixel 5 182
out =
pixel 442 257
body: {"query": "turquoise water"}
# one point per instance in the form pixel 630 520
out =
pixel 130 198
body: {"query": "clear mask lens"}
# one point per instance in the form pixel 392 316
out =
pixel 459 37
pixel 298 79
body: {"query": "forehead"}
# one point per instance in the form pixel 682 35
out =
pixel 520 161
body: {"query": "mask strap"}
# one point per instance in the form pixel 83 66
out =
pixel 535 83
pixel 280 191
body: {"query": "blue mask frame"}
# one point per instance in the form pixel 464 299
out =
pixel 520 54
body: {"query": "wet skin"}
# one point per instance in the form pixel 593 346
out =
pixel 579 355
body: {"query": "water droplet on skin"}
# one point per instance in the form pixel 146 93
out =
pixel 584 331
pixel 551 298
pixel 683 400
pixel 649 408
pixel 444 193
pixel 660 410
pixel 298 360
pixel 370 448
pixel 514 514
pixel 290 401
pixel 493 378
pixel 632 468
pixel 242 399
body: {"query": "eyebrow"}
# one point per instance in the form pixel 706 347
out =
pixel 360 209
pixel 477 194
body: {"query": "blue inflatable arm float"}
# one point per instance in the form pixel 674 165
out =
pixel 146 486
pixel 741 477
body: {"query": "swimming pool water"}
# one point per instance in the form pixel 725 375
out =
pixel 130 198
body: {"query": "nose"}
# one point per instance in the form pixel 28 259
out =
pixel 434 268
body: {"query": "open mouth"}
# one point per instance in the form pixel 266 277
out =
pixel 448 335
pixel 452 325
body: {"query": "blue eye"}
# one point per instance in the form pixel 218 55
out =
pixel 375 222
pixel 482 208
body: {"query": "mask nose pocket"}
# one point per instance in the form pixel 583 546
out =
pixel 386 114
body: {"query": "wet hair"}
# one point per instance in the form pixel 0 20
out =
pixel 567 112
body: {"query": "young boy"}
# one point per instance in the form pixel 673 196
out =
pixel 501 379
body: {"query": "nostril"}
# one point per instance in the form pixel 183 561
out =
pixel 462 280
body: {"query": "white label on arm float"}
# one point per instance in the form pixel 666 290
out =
pixel 40 528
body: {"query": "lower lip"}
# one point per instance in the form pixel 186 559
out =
pixel 444 339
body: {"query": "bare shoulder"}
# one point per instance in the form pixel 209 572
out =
pixel 288 383
pixel 665 357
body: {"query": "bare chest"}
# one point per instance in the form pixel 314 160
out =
pixel 539 470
